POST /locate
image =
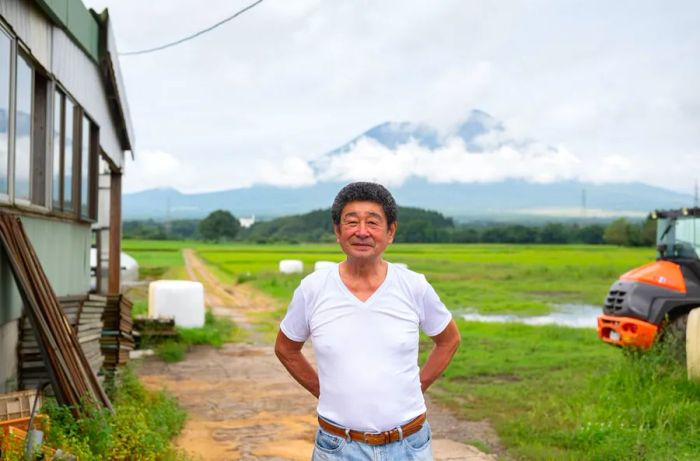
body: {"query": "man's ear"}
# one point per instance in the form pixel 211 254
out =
pixel 392 231
pixel 336 229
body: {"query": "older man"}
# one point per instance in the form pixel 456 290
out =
pixel 363 317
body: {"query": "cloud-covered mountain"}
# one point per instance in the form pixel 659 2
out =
pixel 474 169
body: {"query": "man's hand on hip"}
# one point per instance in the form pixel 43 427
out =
pixel 289 353
pixel 446 344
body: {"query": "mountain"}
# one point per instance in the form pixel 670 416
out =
pixel 481 134
pixel 458 200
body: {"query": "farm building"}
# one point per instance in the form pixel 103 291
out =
pixel 64 135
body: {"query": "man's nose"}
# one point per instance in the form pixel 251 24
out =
pixel 362 230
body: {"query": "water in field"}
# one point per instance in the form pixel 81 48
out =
pixel 568 315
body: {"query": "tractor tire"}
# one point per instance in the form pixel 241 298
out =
pixel 674 336
pixel 692 345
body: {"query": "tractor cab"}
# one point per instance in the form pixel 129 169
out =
pixel 657 297
pixel 678 234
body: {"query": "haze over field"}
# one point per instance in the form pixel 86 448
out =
pixel 596 92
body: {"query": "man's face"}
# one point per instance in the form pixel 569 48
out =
pixel 363 232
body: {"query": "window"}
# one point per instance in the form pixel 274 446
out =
pixel 62 172
pixel 68 154
pixel 5 56
pixel 86 167
pixel 40 133
pixel 31 139
pixel 59 101
pixel 23 129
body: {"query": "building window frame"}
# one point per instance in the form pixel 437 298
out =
pixel 20 53
pixel 6 197
pixel 41 183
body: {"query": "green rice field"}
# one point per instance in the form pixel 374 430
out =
pixel 551 392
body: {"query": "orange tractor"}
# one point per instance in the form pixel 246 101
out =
pixel 653 301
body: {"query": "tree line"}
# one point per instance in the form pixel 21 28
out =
pixel 415 225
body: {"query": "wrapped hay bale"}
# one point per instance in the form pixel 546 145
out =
pixel 291 266
pixel 182 300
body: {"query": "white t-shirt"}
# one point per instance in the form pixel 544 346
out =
pixel 366 352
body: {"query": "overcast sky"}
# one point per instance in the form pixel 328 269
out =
pixel 612 86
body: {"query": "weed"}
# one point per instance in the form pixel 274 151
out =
pixel 171 351
pixel 141 426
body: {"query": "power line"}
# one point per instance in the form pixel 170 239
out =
pixel 196 34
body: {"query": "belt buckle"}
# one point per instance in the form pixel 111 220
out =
pixel 385 435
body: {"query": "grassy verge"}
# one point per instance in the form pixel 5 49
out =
pixel 215 332
pixel 141 427
pixel 558 393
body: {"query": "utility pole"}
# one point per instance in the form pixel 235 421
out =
pixel 583 203
pixel 695 202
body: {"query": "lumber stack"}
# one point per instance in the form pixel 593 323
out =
pixel 155 328
pixel 117 335
pixel 86 322
pixel 69 370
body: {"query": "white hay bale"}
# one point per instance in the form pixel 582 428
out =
pixel 323 264
pixel 291 266
pixel 402 265
pixel 180 299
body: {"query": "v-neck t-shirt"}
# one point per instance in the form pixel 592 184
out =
pixel 366 352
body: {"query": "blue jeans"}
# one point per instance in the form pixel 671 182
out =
pixel 415 447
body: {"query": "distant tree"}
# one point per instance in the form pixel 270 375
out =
pixel 647 235
pixel 554 233
pixel 219 225
pixel 619 232
pixel 416 231
pixel 590 234
pixel 464 235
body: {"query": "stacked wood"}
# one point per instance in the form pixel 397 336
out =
pixel 86 322
pixel 117 335
pixel 148 327
pixel 69 370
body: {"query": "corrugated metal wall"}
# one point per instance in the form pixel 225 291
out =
pixel 64 251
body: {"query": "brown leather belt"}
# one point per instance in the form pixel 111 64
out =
pixel 375 438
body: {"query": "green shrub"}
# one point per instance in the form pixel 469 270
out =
pixel 141 427
pixel 215 332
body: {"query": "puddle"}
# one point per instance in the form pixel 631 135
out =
pixel 568 315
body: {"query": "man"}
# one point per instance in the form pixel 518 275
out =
pixel 363 316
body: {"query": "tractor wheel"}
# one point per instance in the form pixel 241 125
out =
pixel 674 336
pixel 693 345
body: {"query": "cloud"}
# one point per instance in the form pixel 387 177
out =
pixel 453 162
pixel 154 168
pixel 297 79
pixel 290 172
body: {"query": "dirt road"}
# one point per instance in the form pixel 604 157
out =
pixel 243 405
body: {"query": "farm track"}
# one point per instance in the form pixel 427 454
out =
pixel 243 405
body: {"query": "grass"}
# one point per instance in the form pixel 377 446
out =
pixel 552 393
pixel 519 279
pixel 215 332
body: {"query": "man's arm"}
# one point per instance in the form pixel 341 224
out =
pixel 446 344
pixel 289 353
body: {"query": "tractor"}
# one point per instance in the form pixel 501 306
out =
pixel 653 302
